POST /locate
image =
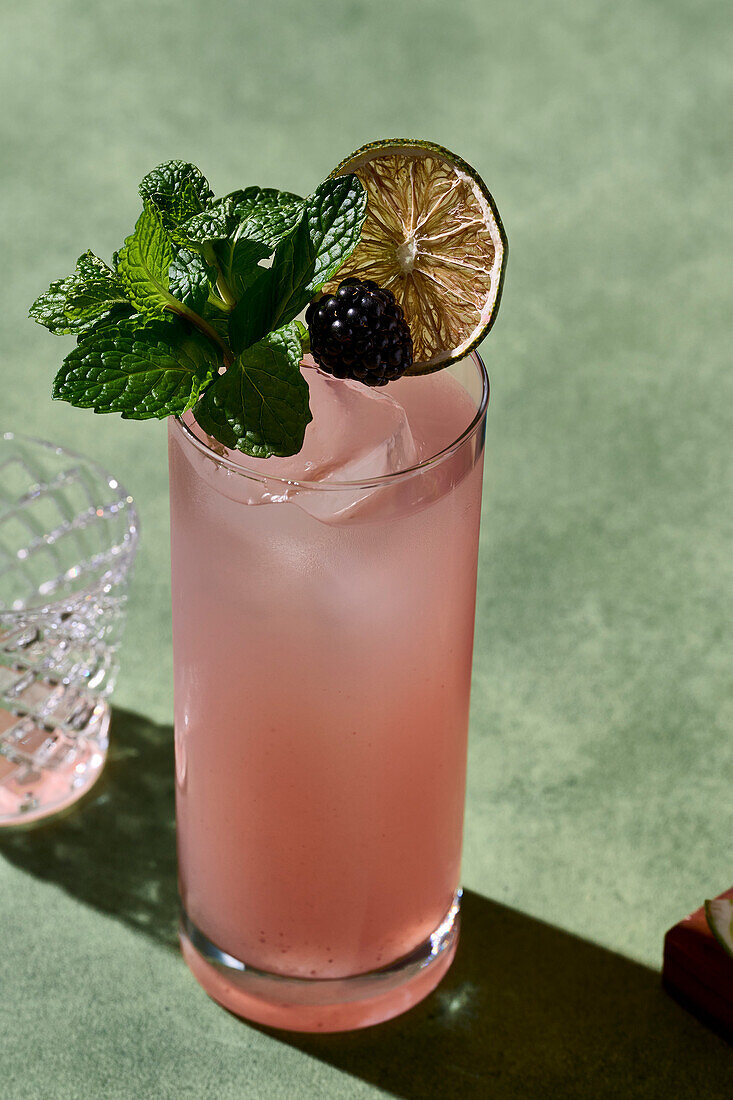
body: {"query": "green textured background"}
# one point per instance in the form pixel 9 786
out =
pixel 599 806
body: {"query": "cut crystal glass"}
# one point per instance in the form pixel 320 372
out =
pixel 68 536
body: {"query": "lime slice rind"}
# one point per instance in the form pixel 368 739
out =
pixel 719 915
pixel 434 237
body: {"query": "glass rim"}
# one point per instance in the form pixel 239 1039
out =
pixel 20 614
pixel 362 483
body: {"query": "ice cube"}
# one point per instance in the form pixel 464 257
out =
pixel 356 434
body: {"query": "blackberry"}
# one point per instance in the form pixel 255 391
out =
pixel 360 332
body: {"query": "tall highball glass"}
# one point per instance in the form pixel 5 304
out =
pixel 323 637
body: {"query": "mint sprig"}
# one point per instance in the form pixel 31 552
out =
pixel 188 318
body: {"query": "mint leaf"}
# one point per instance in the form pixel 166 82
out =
pixel 94 287
pixel 258 219
pixel 161 275
pixel 190 279
pixel 155 370
pixel 326 234
pixel 263 214
pixel 209 225
pixel 217 321
pixel 265 304
pixel 74 304
pixel 185 202
pixel 49 308
pixel 144 261
pixel 245 258
pixel 176 189
pixel 336 213
pixel 238 260
pixel 305 337
pixel 260 404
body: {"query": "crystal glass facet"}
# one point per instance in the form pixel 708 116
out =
pixel 68 536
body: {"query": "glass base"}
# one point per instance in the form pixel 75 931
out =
pixel 43 774
pixel 326 1004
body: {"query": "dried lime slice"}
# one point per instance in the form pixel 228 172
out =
pixel 719 914
pixel 433 237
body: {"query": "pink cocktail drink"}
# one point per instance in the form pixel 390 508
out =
pixel 323 613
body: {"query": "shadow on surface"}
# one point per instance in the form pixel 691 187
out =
pixel 116 849
pixel 525 1010
pixel 529 1010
